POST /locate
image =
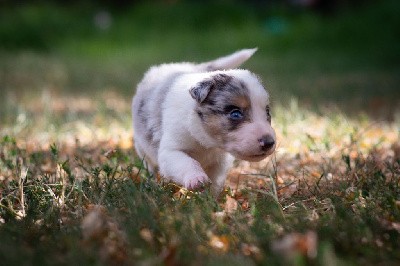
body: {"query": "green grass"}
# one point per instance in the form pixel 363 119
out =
pixel 47 196
pixel 72 191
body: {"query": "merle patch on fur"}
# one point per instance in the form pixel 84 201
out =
pixel 268 114
pixel 141 111
pixel 218 96
pixel 151 129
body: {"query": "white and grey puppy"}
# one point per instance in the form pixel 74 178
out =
pixel 189 118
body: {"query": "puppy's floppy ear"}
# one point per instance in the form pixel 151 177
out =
pixel 201 90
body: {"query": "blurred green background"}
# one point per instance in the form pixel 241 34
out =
pixel 337 54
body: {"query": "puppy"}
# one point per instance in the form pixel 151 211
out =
pixel 189 119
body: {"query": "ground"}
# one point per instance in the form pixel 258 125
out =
pixel 72 190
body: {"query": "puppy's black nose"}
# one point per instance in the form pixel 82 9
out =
pixel 266 142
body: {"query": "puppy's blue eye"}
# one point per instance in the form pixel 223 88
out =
pixel 236 115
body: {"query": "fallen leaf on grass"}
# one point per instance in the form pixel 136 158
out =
pixel 390 225
pixel 110 153
pixel 181 193
pixel 280 181
pixel 245 205
pixel 219 216
pixel 242 200
pixel 48 167
pixel 295 243
pixel 168 254
pixel 231 204
pixel 100 230
pixel 135 177
pixel 146 235
pixel 126 143
pixel 396 226
pixel 251 250
pixel 94 223
pixel 219 243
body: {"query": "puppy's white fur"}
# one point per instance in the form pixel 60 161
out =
pixel 182 129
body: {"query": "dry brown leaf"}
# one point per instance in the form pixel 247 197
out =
pixel 219 216
pixel 100 230
pixel 295 243
pixel 110 153
pixel 181 193
pixel 146 235
pixel 231 204
pixel 168 254
pixel 280 181
pixel 245 205
pixel 219 243
pixel 126 143
pixel 48 167
pixel 396 226
pixel 94 223
pixel 251 250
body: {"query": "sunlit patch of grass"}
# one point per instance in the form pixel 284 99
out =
pixel 71 121
pixel 329 193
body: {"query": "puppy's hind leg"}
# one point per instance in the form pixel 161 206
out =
pixel 149 166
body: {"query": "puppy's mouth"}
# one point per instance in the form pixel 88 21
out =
pixel 254 157
pixel 259 155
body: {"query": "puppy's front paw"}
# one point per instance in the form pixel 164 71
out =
pixel 196 182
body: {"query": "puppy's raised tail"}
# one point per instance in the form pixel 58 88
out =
pixel 228 62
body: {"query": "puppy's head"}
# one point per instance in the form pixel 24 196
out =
pixel 233 108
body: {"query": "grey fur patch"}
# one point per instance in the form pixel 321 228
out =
pixel 141 112
pixel 153 130
pixel 211 67
pixel 150 134
pixel 201 90
pixel 268 114
pixel 226 94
